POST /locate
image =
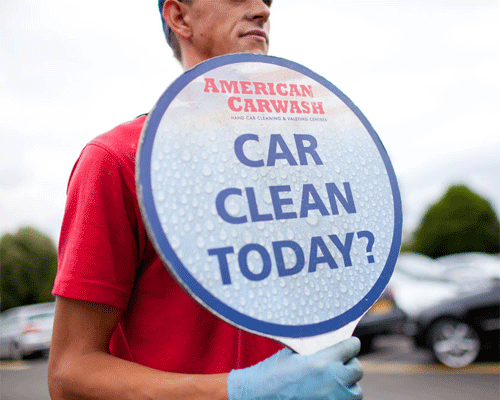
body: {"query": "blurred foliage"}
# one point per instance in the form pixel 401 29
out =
pixel 28 265
pixel 460 222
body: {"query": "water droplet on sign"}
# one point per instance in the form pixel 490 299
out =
pixel 312 219
pixel 206 171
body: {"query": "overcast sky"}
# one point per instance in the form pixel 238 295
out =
pixel 424 73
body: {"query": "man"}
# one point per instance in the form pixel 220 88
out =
pixel 123 328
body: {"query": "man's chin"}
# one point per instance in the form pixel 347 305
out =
pixel 259 51
pixel 252 50
pixel 255 50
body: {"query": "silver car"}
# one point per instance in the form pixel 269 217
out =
pixel 26 330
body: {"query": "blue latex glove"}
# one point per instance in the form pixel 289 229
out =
pixel 330 374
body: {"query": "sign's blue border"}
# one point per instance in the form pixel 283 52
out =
pixel 168 255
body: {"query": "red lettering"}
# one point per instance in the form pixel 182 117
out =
pixel 231 105
pixel 260 88
pixel 294 90
pixel 279 87
pixel 305 107
pixel 280 105
pixel 244 87
pixel 231 87
pixel 264 105
pixel 249 107
pixel 307 90
pixel 294 107
pixel 271 89
pixel 210 84
pixel 317 107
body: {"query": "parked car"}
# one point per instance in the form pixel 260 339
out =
pixel 383 318
pixel 489 264
pixel 472 271
pixel 26 330
pixel 415 284
pixel 418 283
pixel 458 331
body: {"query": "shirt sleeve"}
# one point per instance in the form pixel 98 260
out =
pixel 99 248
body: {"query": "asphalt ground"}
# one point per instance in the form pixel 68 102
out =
pixel 394 370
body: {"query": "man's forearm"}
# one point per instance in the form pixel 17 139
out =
pixel 102 376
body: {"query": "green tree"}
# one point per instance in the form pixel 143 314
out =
pixel 461 221
pixel 28 264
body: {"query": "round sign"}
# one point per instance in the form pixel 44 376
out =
pixel 269 196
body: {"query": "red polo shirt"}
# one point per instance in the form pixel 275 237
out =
pixel 105 256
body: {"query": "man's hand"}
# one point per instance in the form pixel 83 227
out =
pixel 331 374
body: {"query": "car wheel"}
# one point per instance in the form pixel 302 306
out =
pixel 454 343
pixel 15 351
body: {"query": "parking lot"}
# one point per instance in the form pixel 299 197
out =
pixel 394 367
pixel 394 370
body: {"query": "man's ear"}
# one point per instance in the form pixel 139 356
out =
pixel 177 17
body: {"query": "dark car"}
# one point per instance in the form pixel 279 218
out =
pixel 461 330
pixel 383 318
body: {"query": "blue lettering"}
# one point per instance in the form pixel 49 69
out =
pixel 369 246
pixel 254 211
pixel 319 254
pixel 278 202
pixel 314 259
pixel 311 149
pixel 221 209
pixel 238 150
pixel 273 155
pixel 224 267
pixel 280 262
pixel 243 262
pixel 347 201
pixel 345 248
pixel 279 150
pixel 316 205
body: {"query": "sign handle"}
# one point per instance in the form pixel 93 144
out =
pixel 313 344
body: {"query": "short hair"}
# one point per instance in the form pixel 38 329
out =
pixel 169 34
